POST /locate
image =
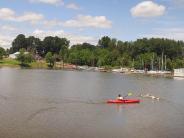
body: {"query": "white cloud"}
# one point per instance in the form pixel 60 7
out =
pixel 170 33
pixel 52 2
pixel 88 21
pixel 6 14
pixel 10 15
pixel 148 9
pixel 72 6
pixel 74 39
pixel 5 41
pixel 52 23
pixel 8 28
pixel 30 17
pixel 81 21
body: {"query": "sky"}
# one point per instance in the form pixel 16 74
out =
pixel 88 20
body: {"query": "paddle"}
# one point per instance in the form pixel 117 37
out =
pixel 129 94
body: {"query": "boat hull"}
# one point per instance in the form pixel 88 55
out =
pixel 125 101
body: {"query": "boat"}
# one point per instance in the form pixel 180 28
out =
pixel 124 101
pixel 179 72
pixel 121 70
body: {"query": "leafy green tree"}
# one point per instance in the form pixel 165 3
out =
pixel 24 58
pixel 63 54
pixel 50 59
pixel 104 42
pixel 18 43
pixel 178 63
pixel 34 45
pixel 125 60
pixel 55 44
pixel 104 57
pixel 2 53
pixel 108 52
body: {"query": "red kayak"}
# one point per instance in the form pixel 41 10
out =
pixel 124 101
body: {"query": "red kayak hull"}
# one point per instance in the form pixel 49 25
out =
pixel 124 101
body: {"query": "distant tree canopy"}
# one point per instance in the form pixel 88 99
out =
pixel 36 46
pixel 143 53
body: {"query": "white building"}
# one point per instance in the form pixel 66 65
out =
pixel 14 55
pixel 179 72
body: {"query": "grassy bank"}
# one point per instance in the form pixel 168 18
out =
pixel 6 62
pixel 9 63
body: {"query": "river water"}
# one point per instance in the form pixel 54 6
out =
pixel 71 104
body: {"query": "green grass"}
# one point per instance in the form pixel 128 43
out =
pixel 9 62
pixel 39 64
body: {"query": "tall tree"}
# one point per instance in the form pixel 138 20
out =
pixel 104 42
pixel 18 43
pixel 54 44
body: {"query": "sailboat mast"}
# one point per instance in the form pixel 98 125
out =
pixel 152 62
pixel 162 61
pixel 165 62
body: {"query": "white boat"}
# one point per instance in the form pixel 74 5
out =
pixel 82 67
pixel 158 72
pixel 118 70
pixel 152 72
pixel 179 72
pixel 139 71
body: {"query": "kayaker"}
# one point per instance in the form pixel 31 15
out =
pixel 119 97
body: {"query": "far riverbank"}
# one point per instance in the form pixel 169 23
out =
pixel 41 64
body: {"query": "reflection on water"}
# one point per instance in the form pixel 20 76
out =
pixel 67 104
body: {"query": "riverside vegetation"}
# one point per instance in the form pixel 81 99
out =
pixel 109 52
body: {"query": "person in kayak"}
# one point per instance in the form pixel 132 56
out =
pixel 119 97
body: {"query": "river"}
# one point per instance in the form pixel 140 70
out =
pixel 71 104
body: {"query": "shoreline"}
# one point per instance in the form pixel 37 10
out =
pixel 72 69
pixel 41 64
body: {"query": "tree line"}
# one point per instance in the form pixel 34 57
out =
pixel 153 53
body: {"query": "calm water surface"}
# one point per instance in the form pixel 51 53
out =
pixel 69 104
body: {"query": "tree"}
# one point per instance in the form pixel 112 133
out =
pixel 54 44
pixel 18 43
pixel 50 59
pixel 34 45
pixel 2 53
pixel 24 58
pixel 144 53
pixel 104 42
pixel 63 53
pixel 125 60
pixel 104 57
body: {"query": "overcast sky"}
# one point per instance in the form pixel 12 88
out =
pixel 88 20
